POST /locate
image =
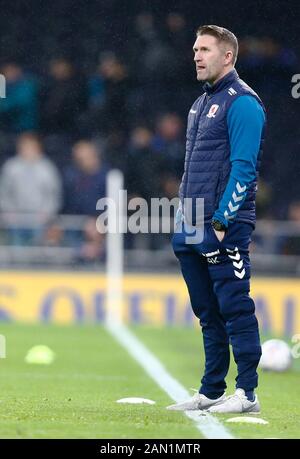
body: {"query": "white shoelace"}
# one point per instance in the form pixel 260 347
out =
pixel 237 396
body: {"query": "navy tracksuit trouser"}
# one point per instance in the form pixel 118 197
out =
pixel 217 275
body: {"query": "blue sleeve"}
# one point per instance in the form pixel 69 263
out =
pixel 245 120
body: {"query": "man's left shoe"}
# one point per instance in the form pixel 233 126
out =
pixel 237 403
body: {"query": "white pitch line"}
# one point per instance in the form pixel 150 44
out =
pixel 209 426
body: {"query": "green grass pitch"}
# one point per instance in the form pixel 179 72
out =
pixel 75 397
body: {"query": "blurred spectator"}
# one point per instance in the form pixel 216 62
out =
pixel 92 248
pixel 109 89
pixel 170 186
pixel 53 234
pixel 291 245
pixel 64 98
pixel 115 148
pixel 19 110
pixel 176 30
pixel 264 199
pixel 294 212
pixel 254 52
pixel 169 142
pixel 153 67
pixel 84 180
pixel 143 165
pixel 30 190
pixel 267 62
pixel 178 40
pixel 150 54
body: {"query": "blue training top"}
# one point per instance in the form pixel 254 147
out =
pixel 245 121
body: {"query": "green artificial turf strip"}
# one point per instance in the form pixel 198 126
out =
pixel 75 397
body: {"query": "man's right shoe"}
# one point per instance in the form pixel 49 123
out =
pixel 197 402
pixel 237 403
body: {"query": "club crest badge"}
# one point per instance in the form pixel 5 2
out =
pixel 212 111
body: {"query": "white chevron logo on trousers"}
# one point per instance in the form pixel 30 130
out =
pixel 241 274
pixel 238 265
pixel 236 257
pixel 232 251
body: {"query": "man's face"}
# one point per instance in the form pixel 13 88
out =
pixel 29 149
pixel 210 58
pixel 86 157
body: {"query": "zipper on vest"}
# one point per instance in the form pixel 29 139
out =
pixel 207 99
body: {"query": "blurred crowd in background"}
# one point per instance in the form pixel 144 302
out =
pixel 98 86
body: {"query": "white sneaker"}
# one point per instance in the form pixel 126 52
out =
pixel 237 403
pixel 197 402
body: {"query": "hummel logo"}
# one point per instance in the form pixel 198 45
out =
pixel 237 198
pixel 227 216
pixel 233 208
pixel 240 188
pixel 241 274
pixel 238 264
pixel 232 251
pixel 231 91
pixel 237 256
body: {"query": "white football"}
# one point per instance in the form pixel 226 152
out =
pixel 276 356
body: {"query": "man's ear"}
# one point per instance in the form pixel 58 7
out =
pixel 229 57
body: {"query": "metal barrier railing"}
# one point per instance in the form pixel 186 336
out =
pixel 142 251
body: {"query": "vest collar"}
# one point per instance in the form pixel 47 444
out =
pixel 222 83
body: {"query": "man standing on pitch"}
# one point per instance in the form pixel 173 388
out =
pixel 225 134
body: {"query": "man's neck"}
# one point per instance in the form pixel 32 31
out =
pixel 224 73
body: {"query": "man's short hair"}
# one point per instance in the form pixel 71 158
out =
pixel 222 35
